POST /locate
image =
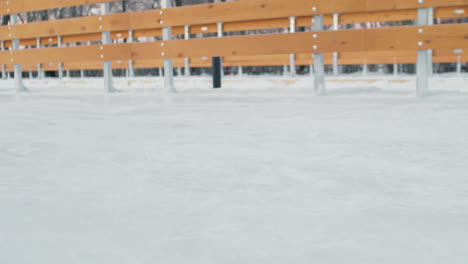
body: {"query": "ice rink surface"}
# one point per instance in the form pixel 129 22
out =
pixel 261 171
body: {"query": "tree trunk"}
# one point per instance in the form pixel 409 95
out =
pixel 5 20
pixel 124 6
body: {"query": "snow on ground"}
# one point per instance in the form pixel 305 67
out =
pixel 262 171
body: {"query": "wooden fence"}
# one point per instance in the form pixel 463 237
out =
pixel 119 39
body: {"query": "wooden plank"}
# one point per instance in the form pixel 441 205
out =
pixel 269 9
pixel 380 16
pixel 21 6
pixel 68 54
pixel 256 14
pixel 47 55
pixel 373 5
pixel 241 45
pixel 258 24
pixel 448 36
pixel 346 58
pixel 451 12
pixel 71 26
pixel 82 38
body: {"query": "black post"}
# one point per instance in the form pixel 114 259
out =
pixel 216 72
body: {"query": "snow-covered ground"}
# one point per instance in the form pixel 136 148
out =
pixel 261 171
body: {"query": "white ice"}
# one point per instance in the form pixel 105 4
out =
pixel 261 171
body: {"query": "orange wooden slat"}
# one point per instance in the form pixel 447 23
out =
pixel 346 58
pixel 448 36
pixel 256 14
pixel 240 45
pixel 405 4
pixel 257 24
pixel 62 27
pixel 268 9
pixel 67 54
pixel 380 16
pixel 451 12
pixel 82 38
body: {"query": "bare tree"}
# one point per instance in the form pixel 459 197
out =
pixel 5 20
